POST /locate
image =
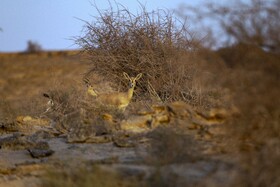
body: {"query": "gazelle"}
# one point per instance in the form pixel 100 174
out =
pixel 119 99
pixel 90 89
pixel 50 103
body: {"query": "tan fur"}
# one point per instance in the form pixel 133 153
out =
pixel 118 99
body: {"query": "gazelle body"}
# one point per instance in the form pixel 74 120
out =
pixel 119 99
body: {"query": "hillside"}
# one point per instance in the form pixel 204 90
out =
pixel 24 77
pixel 224 133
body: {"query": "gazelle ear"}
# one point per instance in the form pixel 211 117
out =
pixel 46 95
pixel 126 75
pixel 86 80
pixel 138 76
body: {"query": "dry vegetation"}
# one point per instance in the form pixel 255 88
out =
pixel 25 77
pixel 175 67
pixel 152 43
pixel 255 132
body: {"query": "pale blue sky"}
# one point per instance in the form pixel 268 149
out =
pixel 53 23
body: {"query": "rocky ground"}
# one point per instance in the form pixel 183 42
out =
pixel 129 147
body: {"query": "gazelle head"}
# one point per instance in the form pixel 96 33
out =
pixel 132 80
pixel 50 102
pixel 87 82
pixel 90 89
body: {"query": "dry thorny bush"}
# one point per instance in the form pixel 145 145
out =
pixel 156 44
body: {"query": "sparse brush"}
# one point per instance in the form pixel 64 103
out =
pixel 65 107
pixel 64 101
pixel 154 43
pixel 252 22
pixel 72 109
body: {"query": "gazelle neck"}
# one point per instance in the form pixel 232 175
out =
pixel 130 92
pixel 91 91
